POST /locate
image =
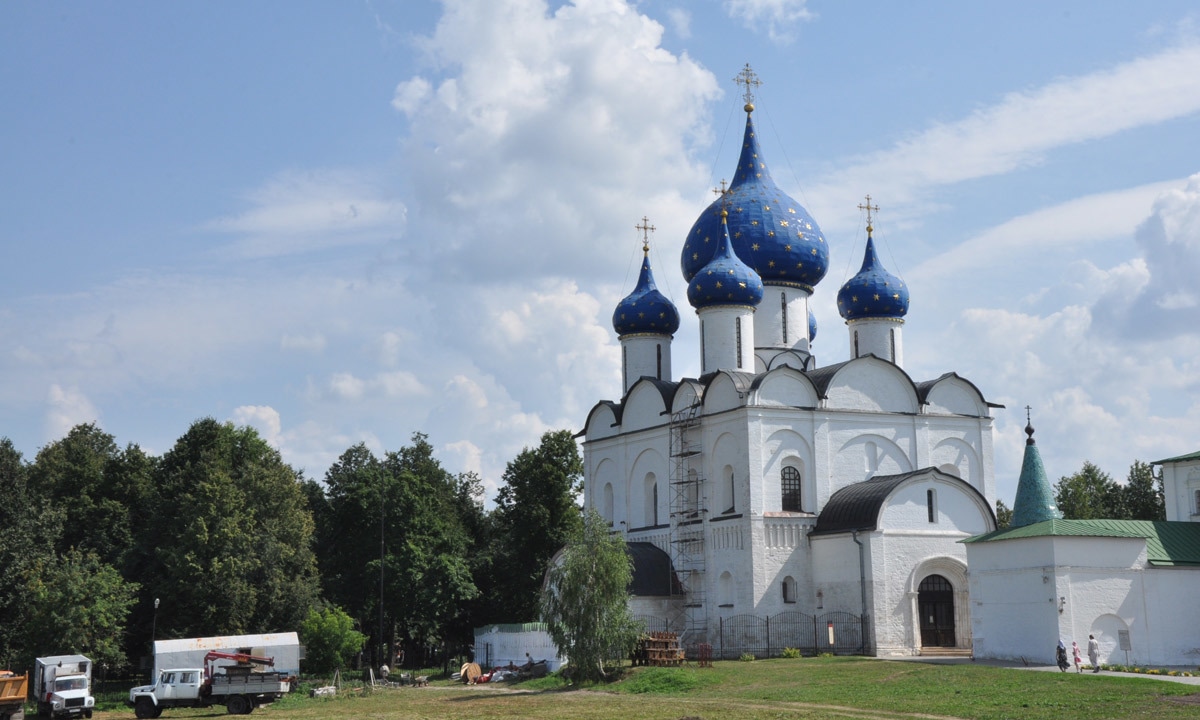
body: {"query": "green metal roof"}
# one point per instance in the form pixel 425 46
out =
pixel 1167 543
pixel 1181 458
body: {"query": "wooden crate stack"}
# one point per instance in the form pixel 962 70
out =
pixel 661 649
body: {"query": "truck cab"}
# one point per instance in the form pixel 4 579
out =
pixel 62 687
pixel 172 688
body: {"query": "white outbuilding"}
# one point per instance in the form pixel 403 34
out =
pixel 284 648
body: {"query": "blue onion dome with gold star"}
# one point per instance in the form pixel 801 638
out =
pixel 873 292
pixel 645 310
pixel 725 280
pixel 770 231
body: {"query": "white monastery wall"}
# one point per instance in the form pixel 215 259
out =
pixel 1013 600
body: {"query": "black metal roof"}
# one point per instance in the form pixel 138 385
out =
pixel 857 506
pixel 652 571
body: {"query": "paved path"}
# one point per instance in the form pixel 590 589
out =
pixel 1194 680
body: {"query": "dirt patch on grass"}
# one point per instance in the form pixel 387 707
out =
pixel 1184 699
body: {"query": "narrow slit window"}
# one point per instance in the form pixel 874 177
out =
pixel 931 505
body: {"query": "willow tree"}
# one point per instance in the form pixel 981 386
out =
pixel 585 599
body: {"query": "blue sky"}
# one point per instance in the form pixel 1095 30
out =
pixel 344 222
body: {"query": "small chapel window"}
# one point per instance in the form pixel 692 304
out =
pixel 789 481
pixel 789 589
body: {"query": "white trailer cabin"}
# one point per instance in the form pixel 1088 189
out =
pixel 284 647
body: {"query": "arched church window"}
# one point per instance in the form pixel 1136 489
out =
pixel 625 366
pixel 725 590
pixel 783 309
pixel 738 328
pixel 729 494
pixel 650 516
pixel 931 504
pixel 789 589
pixel 789 486
pixel 607 503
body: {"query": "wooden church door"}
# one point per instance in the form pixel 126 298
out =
pixel 935 601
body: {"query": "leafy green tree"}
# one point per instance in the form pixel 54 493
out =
pixel 536 513
pixel 98 486
pixel 229 536
pixel 76 604
pixel 1088 494
pixel 1003 515
pixel 400 522
pixel 585 600
pixel 330 640
pixel 30 526
pixel 1143 494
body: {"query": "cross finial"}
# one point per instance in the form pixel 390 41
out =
pixel 1027 410
pixel 1028 427
pixel 646 229
pixel 748 78
pixel 721 190
pixel 870 209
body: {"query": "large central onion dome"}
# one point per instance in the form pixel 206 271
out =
pixel 645 310
pixel 873 292
pixel 771 232
pixel 725 280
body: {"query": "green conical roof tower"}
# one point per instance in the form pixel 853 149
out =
pixel 1035 499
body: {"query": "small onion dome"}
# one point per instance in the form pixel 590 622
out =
pixel 645 310
pixel 771 232
pixel 812 326
pixel 725 280
pixel 873 292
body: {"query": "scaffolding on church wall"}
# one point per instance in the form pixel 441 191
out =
pixel 688 516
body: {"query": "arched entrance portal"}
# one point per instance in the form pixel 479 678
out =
pixel 935 601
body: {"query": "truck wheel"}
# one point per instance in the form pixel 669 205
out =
pixel 146 709
pixel 238 705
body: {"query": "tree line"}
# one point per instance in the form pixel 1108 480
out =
pixel 104 548
pixel 1092 494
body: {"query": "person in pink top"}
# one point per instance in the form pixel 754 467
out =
pixel 1078 657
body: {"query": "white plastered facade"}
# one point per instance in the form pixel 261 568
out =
pixel 836 427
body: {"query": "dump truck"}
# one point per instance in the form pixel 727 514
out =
pixel 240 688
pixel 62 686
pixel 13 689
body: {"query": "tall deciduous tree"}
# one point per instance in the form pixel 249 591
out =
pixel 1143 493
pixel 536 513
pixel 397 521
pixel 585 599
pixel 30 526
pixel 76 604
pixel 1003 515
pixel 229 536
pixel 1088 494
pixel 98 486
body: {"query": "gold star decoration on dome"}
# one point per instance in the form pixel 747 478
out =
pixel 783 223
pixel 754 246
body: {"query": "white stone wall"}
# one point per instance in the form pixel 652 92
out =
pixel 1031 592
pixel 879 337
pixel 645 355
pixel 720 348
pixel 769 326
pixel 1181 483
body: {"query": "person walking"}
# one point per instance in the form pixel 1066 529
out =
pixel 1060 656
pixel 1078 659
pixel 1094 653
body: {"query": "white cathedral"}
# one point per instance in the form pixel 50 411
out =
pixel 771 482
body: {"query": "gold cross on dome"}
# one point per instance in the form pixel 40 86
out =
pixel 869 208
pixel 721 191
pixel 646 229
pixel 749 79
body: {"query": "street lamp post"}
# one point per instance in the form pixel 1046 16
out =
pixel 154 623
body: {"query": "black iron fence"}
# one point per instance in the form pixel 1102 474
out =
pixel 840 633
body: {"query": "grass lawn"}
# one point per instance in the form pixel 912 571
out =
pixel 830 687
